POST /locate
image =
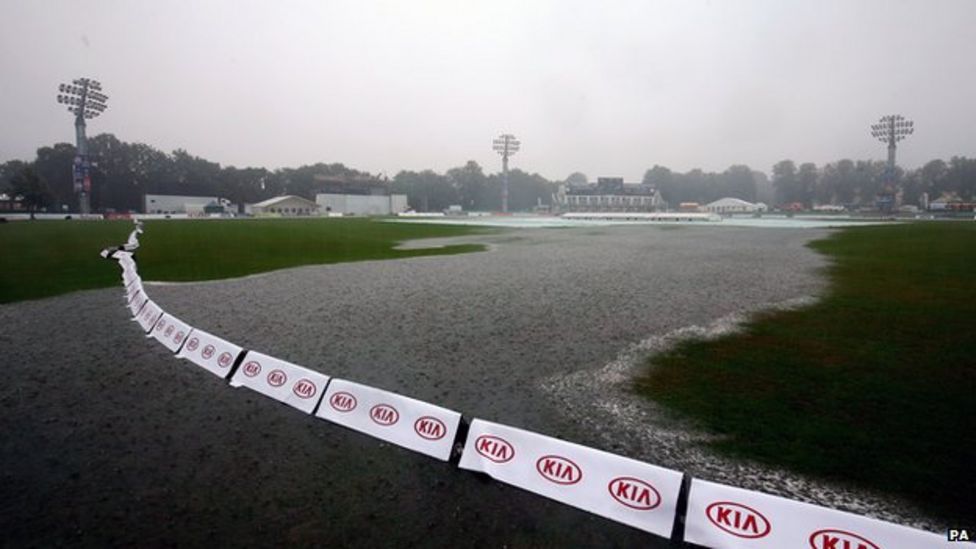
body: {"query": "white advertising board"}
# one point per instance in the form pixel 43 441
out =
pixel 171 332
pixel 133 242
pixel 406 422
pixel 148 315
pixel 210 352
pixel 729 517
pixel 133 289
pixel 283 381
pixel 621 489
pixel 136 304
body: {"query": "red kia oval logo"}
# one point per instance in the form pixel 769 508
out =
pixel 384 414
pixel 737 519
pixel 839 539
pixel 343 402
pixel 169 330
pixel 193 344
pixel 207 352
pixel 430 428
pixel 494 448
pixel 634 493
pixel 224 360
pixel 304 388
pixel 179 337
pixel 277 378
pixel 558 469
pixel 251 369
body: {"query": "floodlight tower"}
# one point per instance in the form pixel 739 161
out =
pixel 890 129
pixel 505 145
pixel 85 100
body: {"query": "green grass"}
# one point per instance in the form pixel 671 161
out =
pixel 47 258
pixel 873 386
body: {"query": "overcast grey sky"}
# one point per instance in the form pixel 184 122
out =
pixel 606 88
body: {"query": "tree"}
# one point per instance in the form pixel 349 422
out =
pixel 785 182
pixel 307 180
pixel 807 181
pixel 32 190
pixel 764 187
pixel 193 175
pixel 9 170
pixel 961 177
pixel 664 181
pixel 469 181
pixel 867 177
pixel 124 172
pixel 933 178
pixel 54 166
pixel 241 186
pixel 525 191
pixel 426 191
pixel 838 183
pixel 738 182
pixel 912 188
pixel 577 179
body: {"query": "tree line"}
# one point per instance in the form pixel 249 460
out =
pixel 124 172
pixel 849 182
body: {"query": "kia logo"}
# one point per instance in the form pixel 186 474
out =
pixel 738 520
pixel 251 369
pixel 839 539
pixel 304 388
pixel 494 448
pixel 276 378
pixel 634 493
pixel 430 428
pixel 207 352
pixel 179 337
pixel 193 344
pixel 558 469
pixel 169 330
pixel 343 402
pixel 224 360
pixel 384 414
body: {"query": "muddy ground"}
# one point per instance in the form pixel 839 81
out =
pixel 108 439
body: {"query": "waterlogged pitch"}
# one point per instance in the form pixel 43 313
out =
pixel 49 258
pixel 880 371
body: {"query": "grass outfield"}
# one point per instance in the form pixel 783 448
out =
pixel 875 385
pixel 46 258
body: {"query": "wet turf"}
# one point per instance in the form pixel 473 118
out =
pixel 47 258
pixel 874 385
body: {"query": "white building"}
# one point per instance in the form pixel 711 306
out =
pixel 828 208
pixel 178 204
pixel 362 204
pixel 608 194
pixel 733 205
pixel 286 205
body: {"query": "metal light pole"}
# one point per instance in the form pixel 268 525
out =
pixel 890 129
pixel 85 100
pixel 505 145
